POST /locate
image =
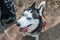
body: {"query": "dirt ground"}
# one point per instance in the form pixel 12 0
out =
pixel 52 14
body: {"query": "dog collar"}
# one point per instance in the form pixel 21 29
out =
pixel 43 22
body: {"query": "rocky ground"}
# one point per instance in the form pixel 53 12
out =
pixel 52 14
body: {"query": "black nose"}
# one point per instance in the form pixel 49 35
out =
pixel 18 24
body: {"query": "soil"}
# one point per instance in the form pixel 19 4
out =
pixel 52 14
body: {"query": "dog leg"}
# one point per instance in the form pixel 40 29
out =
pixel 36 36
pixel 24 34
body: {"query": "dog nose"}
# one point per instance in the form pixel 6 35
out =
pixel 18 24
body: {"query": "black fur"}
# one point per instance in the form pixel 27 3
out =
pixel 33 5
pixel 6 11
pixel 36 15
pixel 39 27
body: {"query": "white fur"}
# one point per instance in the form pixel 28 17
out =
pixel 43 6
pixel 42 30
pixel 42 3
pixel 24 22
pixel 33 35
pixel 28 13
pixel 40 11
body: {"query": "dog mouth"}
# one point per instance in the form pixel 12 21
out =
pixel 24 29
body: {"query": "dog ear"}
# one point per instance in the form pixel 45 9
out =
pixel 41 8
pixel 33 5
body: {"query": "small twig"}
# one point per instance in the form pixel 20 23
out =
pixel 5 31
pixel 3 27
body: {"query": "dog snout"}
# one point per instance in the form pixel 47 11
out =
pixel 18 24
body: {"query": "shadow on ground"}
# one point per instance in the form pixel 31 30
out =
pixel 51 34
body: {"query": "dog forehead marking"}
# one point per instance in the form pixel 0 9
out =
pixel 26 12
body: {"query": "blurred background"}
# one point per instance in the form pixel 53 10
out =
pixel 51 12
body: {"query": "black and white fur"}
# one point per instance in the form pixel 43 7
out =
pixel 7 11
pixel 31 18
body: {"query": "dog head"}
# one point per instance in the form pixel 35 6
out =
pixel 31 18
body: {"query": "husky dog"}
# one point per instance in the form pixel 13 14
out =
pixel 32 20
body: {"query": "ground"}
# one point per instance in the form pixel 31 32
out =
pixel 52 14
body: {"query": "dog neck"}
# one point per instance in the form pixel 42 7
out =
pixel 39 27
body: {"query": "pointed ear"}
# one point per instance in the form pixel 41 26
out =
pixel 43 3
pixel 33 5
pixel 41 7
pixel 41 11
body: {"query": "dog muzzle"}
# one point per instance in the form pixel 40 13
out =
pixel 25 29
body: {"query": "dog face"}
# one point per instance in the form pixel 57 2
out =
pixel 30 19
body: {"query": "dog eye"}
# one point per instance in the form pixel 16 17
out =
pixel 29 18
